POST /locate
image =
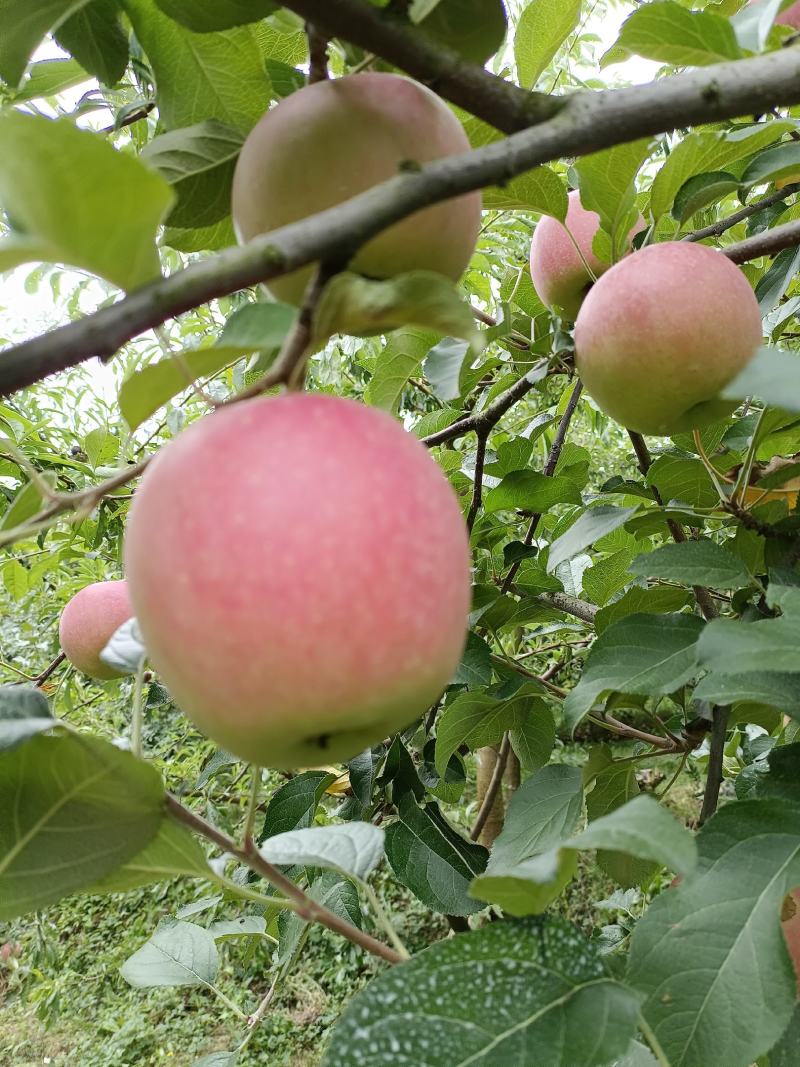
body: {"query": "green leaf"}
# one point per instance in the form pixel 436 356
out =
pixel 429 857
pixel 668 33
pixel 780 162
pixel 753 23
pixel 607 576
pixel 476 719
pixel 772 375
pixel 245 926
pixel 294 805
pixel 24 712
pixel 353 848
pixel 607 186
pixel 214 15
pixel 81 809
pixel 784 1053
pixel 474 28
pixel 99 209
pixel 253 328
pixel 337 894
pixel 148 389
pixel 402 356
pixel 591 525
pixel 700 191
pixel 173 853
pixel 614 784
pixel 198 162
pixel 542 28
pixel 527 869
pixel 684 479
pixel 528 490
pixel 202 76
pixel 49 77
pixel 730 646
pixel 694 563
pixel 533 739
pixel 352 304
pixel 712 951
pixel 773 285
pixel 646 830
pixel 205 239
pixel 95 36
pixel 178 954
pixel 708 150
pixel 283 78
pixel 27 502
pixel 25 23
pixel 549 1001
pixel 778 690
pixel 540 190
pixel 645 655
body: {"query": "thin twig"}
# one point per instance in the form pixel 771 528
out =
pixel 317 54
pixel 493 789
pixel 718 228
pixel 477 485
pixel 302 904
pixel 40 679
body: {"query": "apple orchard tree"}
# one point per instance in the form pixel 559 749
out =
pixel 449 490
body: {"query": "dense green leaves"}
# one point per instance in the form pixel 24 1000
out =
pixel 225 69
pixel 24 25
pixel 432 859
pixel 648 655
pixel 710 956
pixel 99 209
pixel 509 993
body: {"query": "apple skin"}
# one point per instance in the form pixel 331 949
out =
pixel 557 270
pixel 89 621
pixel 300 571
pixel 662 333
pixel 329 141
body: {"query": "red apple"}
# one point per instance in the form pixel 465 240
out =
pixel 300 571
pixel 329 141
pixel 88 623
pixel 791 931
pixel 558 260
pixel 662 333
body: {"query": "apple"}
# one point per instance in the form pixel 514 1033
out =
pixel 558 269
pixel 300 570
pixel 329 141
pixel 662 333
pixel 89 621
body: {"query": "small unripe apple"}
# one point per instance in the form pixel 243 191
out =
pixel 300 571
pixel 558 269
pixel 88 623
pixel 329 141
pixel 662 333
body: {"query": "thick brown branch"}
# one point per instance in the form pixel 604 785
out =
pixel 586 123
pixel 768 243
pixel 500 103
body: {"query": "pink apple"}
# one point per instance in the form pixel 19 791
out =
pixel 662 333
pixel 300 570
pixel 558 260
pixel 89 621
pixel 329 141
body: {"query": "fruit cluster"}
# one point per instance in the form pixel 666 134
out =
pixel 299 566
